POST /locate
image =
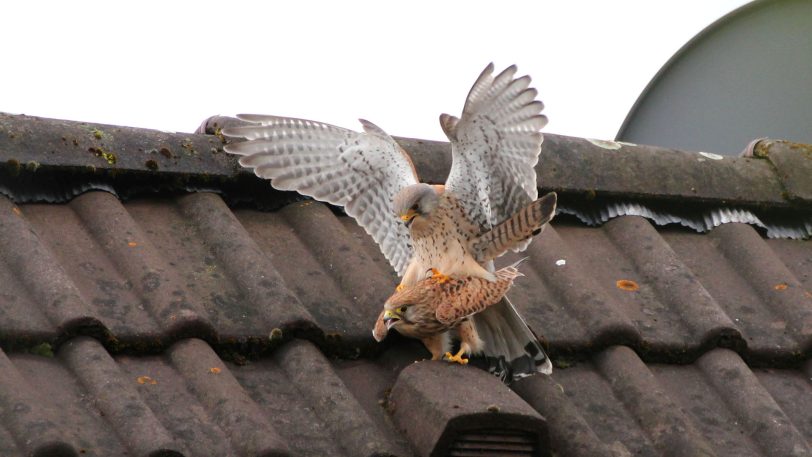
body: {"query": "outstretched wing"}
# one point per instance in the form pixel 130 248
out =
pixel 515 230
pixel 359 171
pixel 495 146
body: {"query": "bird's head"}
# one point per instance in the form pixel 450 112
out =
pixel 396 316
pixel 415 201
pixel 403 310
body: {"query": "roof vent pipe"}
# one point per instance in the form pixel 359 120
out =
pixel 452 410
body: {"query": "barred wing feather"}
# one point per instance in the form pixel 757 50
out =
pixel 359 171
pixel 495 146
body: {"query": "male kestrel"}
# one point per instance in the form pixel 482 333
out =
pixel 435 305
pixel 456 229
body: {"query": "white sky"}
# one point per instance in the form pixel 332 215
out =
pixel 169 65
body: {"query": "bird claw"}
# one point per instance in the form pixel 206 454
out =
pixel 399 287
pixel 439 277
pixel 455 358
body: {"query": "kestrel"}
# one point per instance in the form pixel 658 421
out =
pixel 435 305
pixel 487 206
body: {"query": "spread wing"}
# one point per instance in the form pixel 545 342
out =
pixel 495 146
pixel 359 171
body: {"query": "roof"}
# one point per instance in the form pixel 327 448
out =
pixel 167 303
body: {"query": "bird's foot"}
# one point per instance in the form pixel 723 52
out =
pixel 399 287
pixel 456 358
pixel 439 277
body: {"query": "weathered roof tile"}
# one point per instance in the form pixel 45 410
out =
pixel 340 412
pixel 117 398
pixel 175 268
pixel 441 407
pixel 793 164
pixel 159 320
pixel 226 403
pixel 616 405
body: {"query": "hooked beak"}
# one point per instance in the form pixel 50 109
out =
pixel 408 217
pixel 390 319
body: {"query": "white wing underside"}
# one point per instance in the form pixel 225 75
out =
pixel 495 147
pixel 359 171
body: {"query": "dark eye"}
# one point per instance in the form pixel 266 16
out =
pixel 414 207
pixel 402 309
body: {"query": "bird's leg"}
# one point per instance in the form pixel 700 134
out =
pixel 439 277
pixel 457 358
pixel 469 337
pixel 436 345
pixel 469 342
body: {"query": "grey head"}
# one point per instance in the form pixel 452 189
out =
pixel 414 201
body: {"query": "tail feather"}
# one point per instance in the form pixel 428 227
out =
pixel 510 272
pixel 516 231
pixel 511 349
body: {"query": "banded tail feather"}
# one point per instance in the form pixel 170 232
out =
pixel 511 349
pixel 515 230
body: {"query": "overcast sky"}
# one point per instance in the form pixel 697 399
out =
pixel 169 65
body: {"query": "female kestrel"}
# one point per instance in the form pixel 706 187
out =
pixel 436 305
pixel 456 229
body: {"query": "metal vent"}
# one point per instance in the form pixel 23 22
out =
pixel 492 443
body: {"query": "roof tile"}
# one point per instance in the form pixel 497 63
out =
pixel 130 251
pixel 147 273
pixel 438 406
pixel 616 405
pixel 612 404
pixel 187 401
pixel 41 284
pixel 793 163
pixel 334 404
pixel 673 307
pixel 226 330
pixel 566 292
pixel 569 164
pixel 750 403
pixel 227 405
pixel 776 287
pixel 117 398
pixel 232 257
pixel 661 421
pixel 35 427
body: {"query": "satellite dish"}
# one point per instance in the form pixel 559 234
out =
pixel 748 75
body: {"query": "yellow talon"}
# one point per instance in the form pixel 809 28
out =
pixel 439 277
pixel 456 358
pixel 399 287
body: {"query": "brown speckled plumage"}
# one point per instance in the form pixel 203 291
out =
pixel 442 240
pixel 433 306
